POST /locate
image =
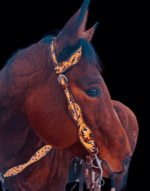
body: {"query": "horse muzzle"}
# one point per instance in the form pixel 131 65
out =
pixel 125 163
pixel 107 171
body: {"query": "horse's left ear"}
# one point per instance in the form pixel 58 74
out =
pixel 88 35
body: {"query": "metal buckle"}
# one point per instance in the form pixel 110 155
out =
pixel 62 76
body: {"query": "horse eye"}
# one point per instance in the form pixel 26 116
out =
pixel 93 92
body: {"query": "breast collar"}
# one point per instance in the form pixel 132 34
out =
pixel 85 134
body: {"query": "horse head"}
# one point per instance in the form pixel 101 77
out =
pixel 46 104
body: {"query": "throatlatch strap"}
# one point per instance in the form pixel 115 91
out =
pixel 37 156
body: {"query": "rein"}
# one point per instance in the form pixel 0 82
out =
pixel 85 135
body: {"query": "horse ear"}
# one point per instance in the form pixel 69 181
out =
pixel 82 19
pixel 74 28
pixel 88 35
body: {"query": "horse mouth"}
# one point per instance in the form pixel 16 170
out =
pixel 107 172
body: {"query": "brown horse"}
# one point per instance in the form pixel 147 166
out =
pixel 33 109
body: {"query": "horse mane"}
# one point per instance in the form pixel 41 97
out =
pixel 90 55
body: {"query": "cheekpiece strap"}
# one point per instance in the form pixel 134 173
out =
pixel 85 134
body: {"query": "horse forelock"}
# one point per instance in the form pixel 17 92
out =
pixel 90 55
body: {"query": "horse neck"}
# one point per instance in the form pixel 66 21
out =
pixel 18 139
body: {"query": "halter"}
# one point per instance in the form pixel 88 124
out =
pixel 85 135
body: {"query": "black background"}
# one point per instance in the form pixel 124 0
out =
pixel 119 43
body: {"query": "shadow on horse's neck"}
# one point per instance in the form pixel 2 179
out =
pixel 18 138
pixel 19 141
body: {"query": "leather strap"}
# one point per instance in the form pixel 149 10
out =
pixel 81 177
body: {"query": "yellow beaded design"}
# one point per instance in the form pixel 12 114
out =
pixel 84 133
pixel 37 156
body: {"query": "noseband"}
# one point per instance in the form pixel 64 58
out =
pixel 85 134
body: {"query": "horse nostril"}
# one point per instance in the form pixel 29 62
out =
pixel 127 160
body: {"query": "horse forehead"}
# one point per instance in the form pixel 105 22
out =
pixel 85 77
pixel 89 70
pixel 90 80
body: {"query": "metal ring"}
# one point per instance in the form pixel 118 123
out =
pixel 100 184
pixel 103 182
pixel 62 76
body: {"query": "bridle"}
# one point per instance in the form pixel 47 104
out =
pixel 85 134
